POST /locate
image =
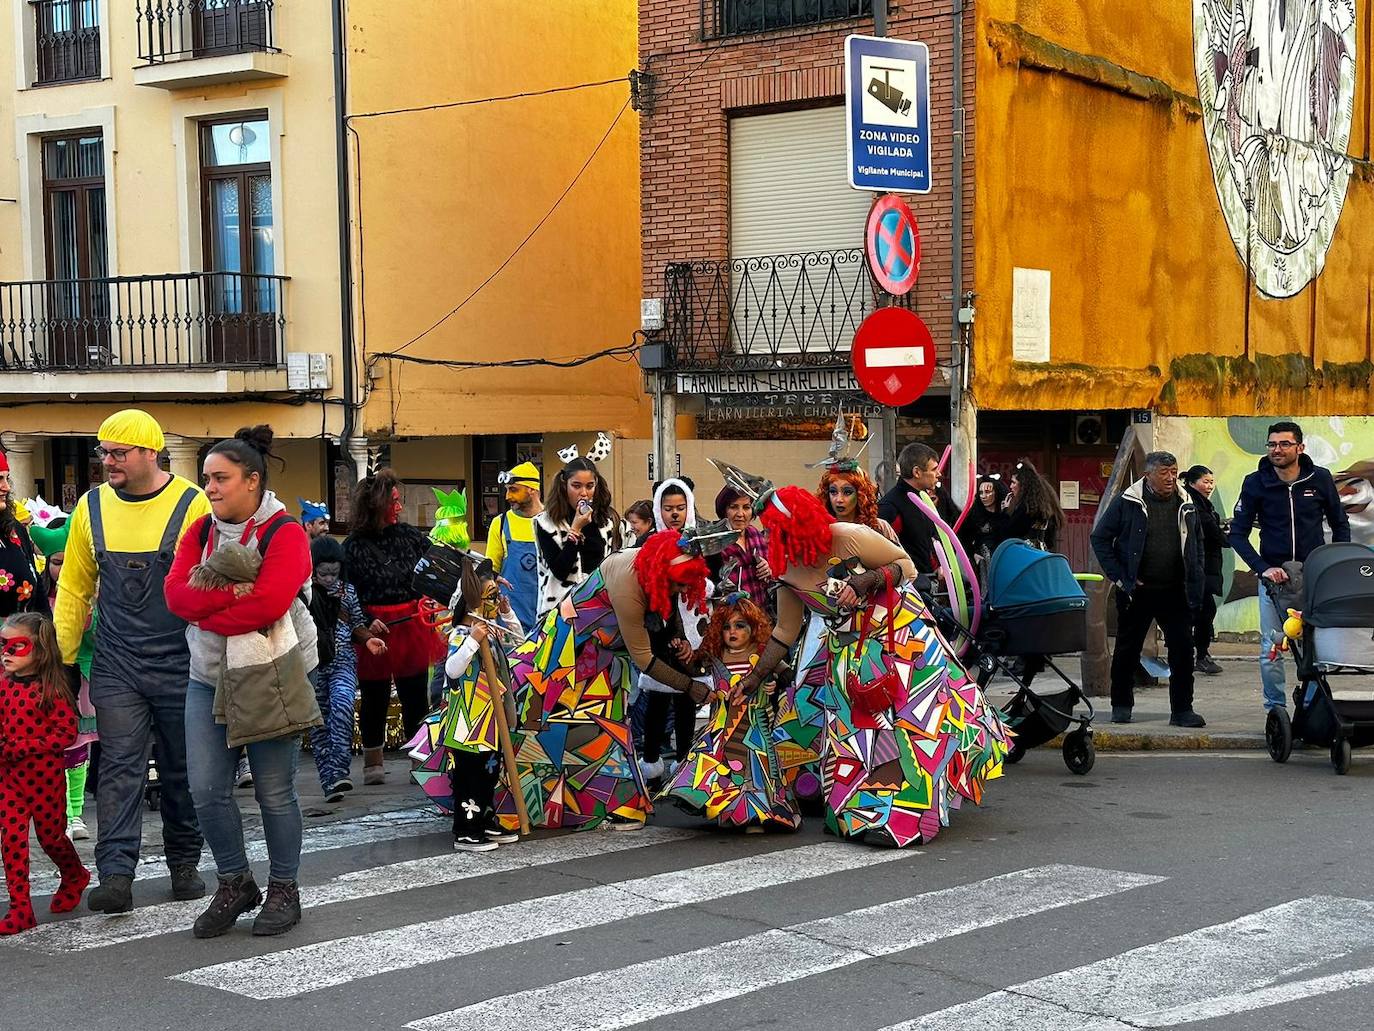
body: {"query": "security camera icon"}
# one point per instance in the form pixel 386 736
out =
pixel 886 94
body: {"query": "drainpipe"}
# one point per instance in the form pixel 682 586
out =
pixel 961 442
pixel 345 221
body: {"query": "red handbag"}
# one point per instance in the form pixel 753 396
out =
pixel 884 691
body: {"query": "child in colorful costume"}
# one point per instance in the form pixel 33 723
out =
pixel 732 774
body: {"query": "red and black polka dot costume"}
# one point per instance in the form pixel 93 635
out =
pixel 33 788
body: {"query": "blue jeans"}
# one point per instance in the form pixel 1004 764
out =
pixel 131 720
pixel 211 768
pixel 1272 674
pixel 336 688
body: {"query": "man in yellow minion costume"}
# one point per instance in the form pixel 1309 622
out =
pixel 123 535
pixel 510 542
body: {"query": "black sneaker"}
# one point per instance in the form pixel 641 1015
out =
pixel 1187 719
pixel 473 843
pixel 345 784
pixel 187 883
pixel 235 896
pixel 1120 714
pixel 281 911
pixel 500 835
pixel 115 895
pixel 334 795
pixel 1206 664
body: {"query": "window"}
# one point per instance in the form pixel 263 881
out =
pixel 66 40
pixel 77 249
pixel 231 26
pixel 239 239
pixel 737 17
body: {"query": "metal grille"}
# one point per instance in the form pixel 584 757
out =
pixel 740 17
pixel 66 40
pixel 170 30
pixel 196 320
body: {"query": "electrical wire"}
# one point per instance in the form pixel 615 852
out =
pixel 487 100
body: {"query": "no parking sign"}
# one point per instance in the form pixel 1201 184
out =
pixel 893 243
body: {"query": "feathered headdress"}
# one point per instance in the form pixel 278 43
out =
pixel 598 452
pixel 451 519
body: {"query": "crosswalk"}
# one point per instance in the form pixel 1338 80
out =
pixel 871 913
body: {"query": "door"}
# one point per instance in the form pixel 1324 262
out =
pixel 240 294
pixel 230 27
pixel 66 40
pixel 77 301
pixel 1081 477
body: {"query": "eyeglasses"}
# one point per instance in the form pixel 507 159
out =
pixel 17 647
pixel 117 453
pixel 1280 445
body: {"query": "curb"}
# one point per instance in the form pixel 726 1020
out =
pixel 1146 741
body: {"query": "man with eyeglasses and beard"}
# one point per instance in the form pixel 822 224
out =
pixel 1289 497
pixel 122 541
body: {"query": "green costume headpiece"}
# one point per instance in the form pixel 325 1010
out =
pixel 451 520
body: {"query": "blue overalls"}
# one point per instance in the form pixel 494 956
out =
pixel 520 570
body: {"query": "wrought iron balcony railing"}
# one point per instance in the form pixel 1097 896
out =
pixel 173 30
pixel 66 35
pixel 740 17
pixel 194 320
pixel 768 312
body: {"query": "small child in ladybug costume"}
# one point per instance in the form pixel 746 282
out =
pixel 37 724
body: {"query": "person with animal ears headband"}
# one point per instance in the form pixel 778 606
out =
pixel 575 753
pixel 381 553
pixel 891 684
pixel 578 528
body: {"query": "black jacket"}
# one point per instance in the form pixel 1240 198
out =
pixel 1213 539
pixel 1021 526
pixel 914 528
pixel 983 530
pixel 1289 515
pixel 1119 542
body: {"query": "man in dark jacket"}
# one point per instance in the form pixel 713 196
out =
pixel 1150 545
pixel 1289 497
pixel 918 468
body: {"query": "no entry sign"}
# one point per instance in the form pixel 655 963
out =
pixel 893 356
pixel 893 244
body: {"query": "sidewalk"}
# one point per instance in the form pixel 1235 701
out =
pixel 1230 702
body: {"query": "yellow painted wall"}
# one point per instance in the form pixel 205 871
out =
pixel 1115 196
pixel 149 225
pixel 448 195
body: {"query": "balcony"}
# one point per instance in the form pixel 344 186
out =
pixel 784 310
pixel 188 43
pixel 66 41
pixel 106 335
pixel 742 17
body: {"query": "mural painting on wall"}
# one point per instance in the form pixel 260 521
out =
pixel 1233 448
pixel 1276 79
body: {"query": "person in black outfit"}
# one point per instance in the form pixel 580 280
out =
pixel 21 588
pixel 1199 481
pixel 918 467
pixel 1033 512
pixel 1150 545
pixel 985 526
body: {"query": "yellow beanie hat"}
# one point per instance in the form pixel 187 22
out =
pixel 525 473
pixel 133 427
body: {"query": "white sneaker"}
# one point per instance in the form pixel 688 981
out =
pixel 651 771
pixel 76 829
pixel 501 836
pixel 243 776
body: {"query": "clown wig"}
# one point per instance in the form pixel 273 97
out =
pixel 659 574
pixel 713 641
pixel 801 537
pixel 864 490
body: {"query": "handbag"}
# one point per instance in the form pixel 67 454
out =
pixel 884 691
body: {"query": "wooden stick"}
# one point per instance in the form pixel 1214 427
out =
pixel 495 686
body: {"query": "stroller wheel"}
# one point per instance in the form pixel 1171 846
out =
pixel 1340 756
pixel 1278 735
pixel 1015 753
pixel 1079 753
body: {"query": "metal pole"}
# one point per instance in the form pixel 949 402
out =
pixel 963 449
pixel 889 430
pixel 345 220
pixel 665 429
pixel 880 17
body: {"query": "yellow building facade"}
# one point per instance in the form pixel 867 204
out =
pixel 1119 148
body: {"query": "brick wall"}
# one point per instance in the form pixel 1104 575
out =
pixel 699 85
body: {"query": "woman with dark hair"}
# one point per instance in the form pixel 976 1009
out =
pixel 985 526
pixel 1200 482
pixel 1033 512
pixel 21 588
pixel 575 532
pixel 381 552
pixel 239 578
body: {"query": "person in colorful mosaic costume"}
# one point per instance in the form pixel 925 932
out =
pixel 731 773
pixel 576 759
pixel 907 734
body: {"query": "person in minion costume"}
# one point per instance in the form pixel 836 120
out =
pixel 510 542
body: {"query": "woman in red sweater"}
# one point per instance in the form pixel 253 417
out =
pixel 244 511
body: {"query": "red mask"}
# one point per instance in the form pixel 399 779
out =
pixel 393 513
pixel 18 647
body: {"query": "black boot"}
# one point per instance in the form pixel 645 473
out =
pixel 115 895
pixel 187 883
pixel 281 911
pixel 235 896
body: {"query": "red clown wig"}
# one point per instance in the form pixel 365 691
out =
pixel 800 538
pixel 865 491
pixel 660 573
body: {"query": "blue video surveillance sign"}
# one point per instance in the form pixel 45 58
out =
pixel 887 96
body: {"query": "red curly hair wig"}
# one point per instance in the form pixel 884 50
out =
pixel 713 641
pixel 801 538
pixel 865 490
pixel 659 574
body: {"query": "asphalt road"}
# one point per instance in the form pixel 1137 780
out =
pixel 1210 891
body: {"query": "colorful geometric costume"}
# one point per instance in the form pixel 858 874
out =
pixel 732 774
